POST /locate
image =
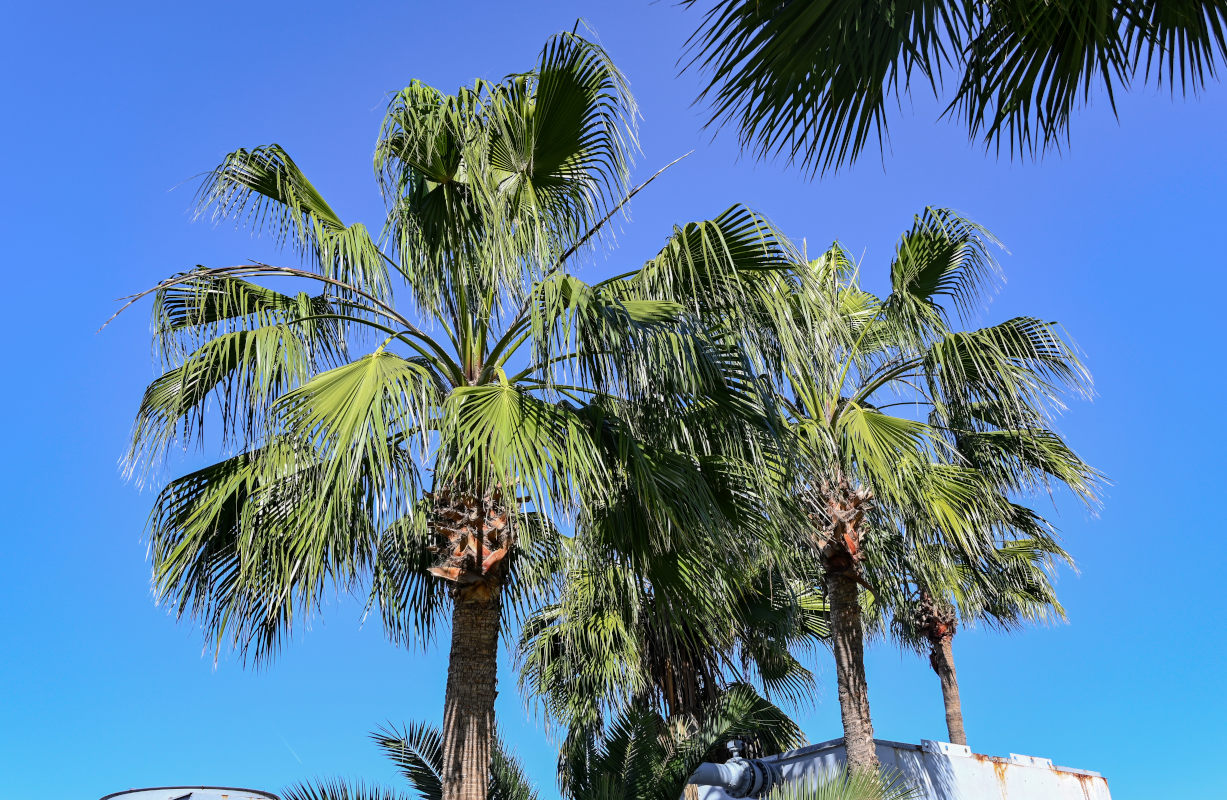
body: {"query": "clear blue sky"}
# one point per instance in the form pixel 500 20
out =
pixel 109 107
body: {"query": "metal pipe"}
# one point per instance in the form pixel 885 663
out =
pixel 723 775
pixel 738 777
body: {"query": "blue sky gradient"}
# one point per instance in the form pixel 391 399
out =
pixel 112 109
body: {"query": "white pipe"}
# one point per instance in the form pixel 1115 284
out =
pixel 725 776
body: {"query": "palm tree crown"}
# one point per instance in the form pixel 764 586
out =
pixel 508 399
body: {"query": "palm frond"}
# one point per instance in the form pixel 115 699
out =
pixel 417 751
pixel 265 190
pixel 942 256
pixel 738 273
pixel 810 81
pixel 360 417
pixel 500 435
pixel 845 785
pixel 244 371
pixel 242 545
pixel 203 304
pixel 337 789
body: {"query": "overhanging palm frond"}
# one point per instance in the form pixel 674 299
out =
pixel 810 80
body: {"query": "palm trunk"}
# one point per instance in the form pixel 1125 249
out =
pixel 472 676
pixel 848 642
pixel 941 658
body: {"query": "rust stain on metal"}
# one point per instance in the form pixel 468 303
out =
pixel 1089 783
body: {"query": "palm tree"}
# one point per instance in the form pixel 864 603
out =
pixel 872 414
pixel 940 591
pixel 933 587
pixel 1011 584
pixel 669 621
pixel 689 627
pixel 811 80
pixel 508 399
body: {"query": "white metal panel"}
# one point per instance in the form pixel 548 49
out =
pixel 943 771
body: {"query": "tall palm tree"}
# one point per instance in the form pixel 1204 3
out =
pixel 1005 591
pixel 670 620
pixel 811 80
pixel 506 400
pixel 1010 584
pixel 871 416
pixel 924 592
pixel 932 587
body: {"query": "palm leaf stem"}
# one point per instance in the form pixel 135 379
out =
pixel 570 251
pixel 896 373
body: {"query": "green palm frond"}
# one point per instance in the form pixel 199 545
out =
pixel 845 785
pixel 339 790
pixel 201 305
pixel 942 256
pixel 501 435
pixel 560 153
pixel 621 346
pixel 361 415
pixel 498 182
pixel 1026 460
pixel 640 756
pixel 265 190
pixel 417 752
pixel 244 371
pixel 411 602
pixel 811 81
pixel 738 272
pixel 246 546
pixel 653 612
pixel 1018 368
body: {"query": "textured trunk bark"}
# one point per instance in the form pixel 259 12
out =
pixel 848 641
pixel 941 657
pixel 472 675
